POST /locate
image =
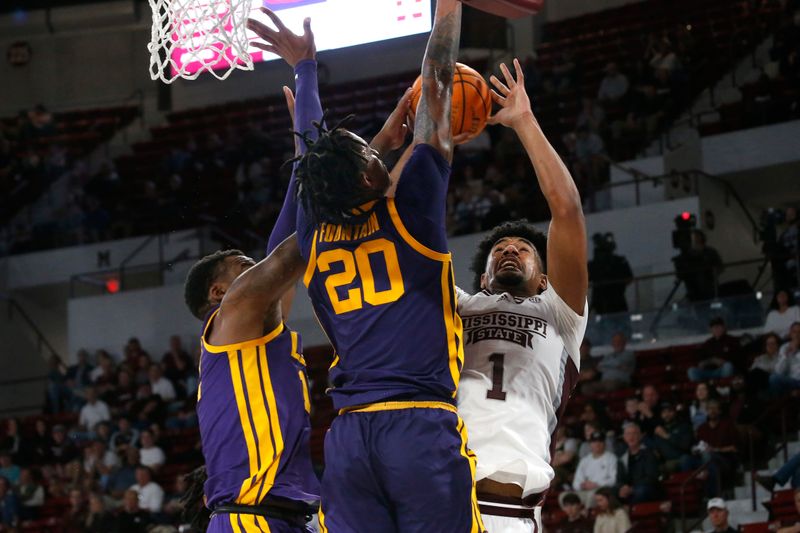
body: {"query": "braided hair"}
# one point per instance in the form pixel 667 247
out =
pixel 517 228
pixel 195 511
pixel 328 176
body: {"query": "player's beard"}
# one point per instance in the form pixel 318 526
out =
pixel 509 279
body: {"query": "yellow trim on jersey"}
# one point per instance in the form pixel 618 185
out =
pixel 262 524
pixel 334 362
pixel 453 326
pixel 469 455
pixel 394 406
pixel 241 406
pixel 322 527
pixel 295 354
pixel 266 425
pixel 312 261
pixel 410 240
pixel 235 523
pixel 304 384
pixel 239 345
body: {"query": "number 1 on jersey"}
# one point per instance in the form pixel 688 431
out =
pixel 497 392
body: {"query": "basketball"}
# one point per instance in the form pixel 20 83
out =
pixel 472 101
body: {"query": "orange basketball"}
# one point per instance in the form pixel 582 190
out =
pixel 472 101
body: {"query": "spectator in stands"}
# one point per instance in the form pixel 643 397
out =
pixel 789 472
pixel 124 391
pixel 672 440
pixel 99 461
pixel 125 436
pixel 718 443
pixel 717 354
pixel 611 516
pixel 566 72
pixel 699 268
pixel 93 412
pixel 782 315
pixel 638 471
pixel 160 385
pixel 8 469
pixel 142 369
pixel 37 448
pixel 59 395
pixel 473 208
pixel 595 412
pixel 576 521
pixel 614 85
pixel 62 450
pixel 615 368
pixel 177 364
pixel 718 516
pixel 132 519
pixel 589 151
pixel 787 370
pixel 31 495
pixel 147 408
pixel 588 373
pixel 764 365
pixel 98 520
pixel 610 274
pixel 125 476
pixel 75 517
pixel 151 495
pixel 596 470
pixel 173 502
pixel 591 115
pixel 79 374
pixel 104 374
pixel 589 429
pixel 12 440
pixel 9 507
pixel 697 410
pixel 649 416
pixel 564 456
pixel 151 455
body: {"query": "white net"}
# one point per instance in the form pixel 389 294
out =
pixel 190 37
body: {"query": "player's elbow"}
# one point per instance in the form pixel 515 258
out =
pixel 569 209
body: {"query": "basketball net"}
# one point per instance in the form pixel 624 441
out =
pixel 190 37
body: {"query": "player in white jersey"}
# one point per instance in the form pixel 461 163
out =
pixel 522 333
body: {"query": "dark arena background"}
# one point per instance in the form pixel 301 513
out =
pixel 678 119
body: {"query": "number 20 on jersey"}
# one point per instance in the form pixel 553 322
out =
pixel 357 264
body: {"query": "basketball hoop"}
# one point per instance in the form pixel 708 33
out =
pixel 190 37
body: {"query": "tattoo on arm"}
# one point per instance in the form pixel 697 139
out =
pixel 433 116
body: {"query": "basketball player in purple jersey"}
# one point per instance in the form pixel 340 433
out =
pixel 381 282
pixel 253 402
pixel 522 332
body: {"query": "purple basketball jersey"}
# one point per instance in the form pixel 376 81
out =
pixel 253 408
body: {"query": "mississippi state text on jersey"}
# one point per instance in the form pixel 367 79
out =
pixel 521 363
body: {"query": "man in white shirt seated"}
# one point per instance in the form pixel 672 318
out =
pixel 94 412
pixel 151 495
pixel 596 470
pixel 161 385
pixel 151 455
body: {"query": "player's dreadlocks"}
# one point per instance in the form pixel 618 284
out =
pixel 195 511
pixel 199 279
pixel 328 176
pixel 517 228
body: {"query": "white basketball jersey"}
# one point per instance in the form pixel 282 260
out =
pixel 521 361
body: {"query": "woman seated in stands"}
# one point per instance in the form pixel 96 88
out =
pixel 697 411
pixel 611 516
pixel 783 314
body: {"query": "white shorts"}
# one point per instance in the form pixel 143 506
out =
pixel 504 524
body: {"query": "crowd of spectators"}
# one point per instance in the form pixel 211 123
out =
pixel 604 455
pixel 110 456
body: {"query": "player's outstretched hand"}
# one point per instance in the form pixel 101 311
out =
pixel 283 42
pixel 394 131
pixel 511 96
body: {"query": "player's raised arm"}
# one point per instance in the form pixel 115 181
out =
pixel 566 244
pixel 433 113
pixel 299 52
pixel 251 304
